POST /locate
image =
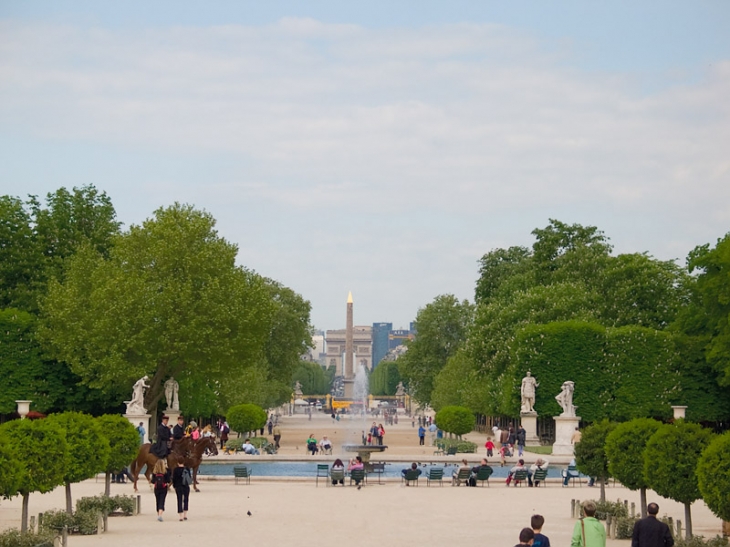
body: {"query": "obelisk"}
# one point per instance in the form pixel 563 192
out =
pixel 349 350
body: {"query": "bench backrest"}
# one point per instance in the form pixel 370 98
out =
pixel 241 472
pixel 539 475
pixel 358 474
pixel 484 473
pixel 520 475
pixel 435 474
pixel 464 474
pixel 337 474
pixel 412 475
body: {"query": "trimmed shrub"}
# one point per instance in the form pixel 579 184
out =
pixel 715 485
pixel 613 508
pixel 699 541
pixel 246 417
pixel 117 505
pixel 455 419
pixel 461 445
pixel 81 522
pixel 13 538
pixel 625 527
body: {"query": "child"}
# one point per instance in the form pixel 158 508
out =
pixel 526 537
pixel 489 445
pixel 540 540
pixel 502 455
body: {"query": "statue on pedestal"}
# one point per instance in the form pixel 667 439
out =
pixel 565 399
pixel 400 391
pixel 171 394
pixel 298 390
pixel 136 405
pixel 527 391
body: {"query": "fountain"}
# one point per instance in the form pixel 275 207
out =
pixel 361 392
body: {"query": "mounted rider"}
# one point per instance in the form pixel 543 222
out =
pixel 161 448
pixel 178 432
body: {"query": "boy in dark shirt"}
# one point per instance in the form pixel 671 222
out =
pixel 540 540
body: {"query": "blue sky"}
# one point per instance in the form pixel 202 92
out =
pixel 381 148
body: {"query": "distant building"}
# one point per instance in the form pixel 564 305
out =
pixel 316 354
pixel 362 341
pixel 380 341
pixel 399 337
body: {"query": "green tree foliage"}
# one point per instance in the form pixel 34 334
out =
pixel 455 419
pixel 44 452
pixel 49 384
pixel 670 463
pixel 713 476
pixel 20 257
pixel 709 317
pixel 12 470
pixel 590 453
pixel 458 384
pixel 168 301
pixel 313 378
pixel 625 450
pixel 88 449
pixel 441 328
pixel 385 378
pixel 569 274
pixel 246 417
pixel 123 441
pixel 35 240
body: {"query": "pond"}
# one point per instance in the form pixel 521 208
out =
pixel 307 469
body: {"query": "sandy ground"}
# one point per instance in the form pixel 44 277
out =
pixel 296 511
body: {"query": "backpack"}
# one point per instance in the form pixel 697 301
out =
pixel 187 478
pixel 160 481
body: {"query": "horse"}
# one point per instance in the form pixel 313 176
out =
pixel 189 451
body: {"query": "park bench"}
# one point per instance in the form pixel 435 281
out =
pixel 242 472
pixel 323 470
pixel 519 477
pixel 483 475
pixel 462 476
pixel 411 475
pixel 435 475
pixel 539 476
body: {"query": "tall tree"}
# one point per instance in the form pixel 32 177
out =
pixel 20 257
pixel 168 301
pixel 123 442
pixel 625 447
pixel 88 449
pixel 590 453
pixel 710 315
pixel 441 328
pixel 670 464
pixel 44 451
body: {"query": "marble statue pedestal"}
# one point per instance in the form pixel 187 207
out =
pixel 134 419
pixel 529 422
pixel 564 429
pixel 173 414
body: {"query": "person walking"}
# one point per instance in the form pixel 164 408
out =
pixel 277 435
pixel 161 480
pixel 421 435
pixel 181 480
pixel 650 531
pixel 588 531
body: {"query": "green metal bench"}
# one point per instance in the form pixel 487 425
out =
pixel 242 472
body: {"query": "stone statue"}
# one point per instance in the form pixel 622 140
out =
pixel 298 390
pixel 136 405
pixel 171 394
pixel 400 391
pixel 529 384
pixel 565 399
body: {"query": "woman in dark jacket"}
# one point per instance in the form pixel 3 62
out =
pixel 161 480
pixel 179 476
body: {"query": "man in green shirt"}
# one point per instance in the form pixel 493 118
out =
pixel 588 531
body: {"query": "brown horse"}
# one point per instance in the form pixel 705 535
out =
pixel 191 452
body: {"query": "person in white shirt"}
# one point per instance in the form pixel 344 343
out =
pixel 325 444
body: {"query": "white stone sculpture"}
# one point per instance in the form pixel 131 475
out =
pixel 565 399
pixel 298 390
pixel 171 394
pixel 527 391
pixel 136 405
pixel 400 391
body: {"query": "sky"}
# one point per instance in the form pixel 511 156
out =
pixel 382 147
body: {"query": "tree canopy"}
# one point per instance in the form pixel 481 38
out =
pixel 713 476
pixel 670 463
pixel 441 328
pixel 170 301
pixel 123 441
pixel 246 417
pixel 590 453
pixel 455 419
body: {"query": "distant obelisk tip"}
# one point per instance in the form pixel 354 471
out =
pixel 349 297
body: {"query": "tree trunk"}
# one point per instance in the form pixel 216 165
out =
pixel 688 520
pixel 603 489
pixel 107 484
pixel 24 514
pixel 69 504
pixel 153 421
pixel 643 503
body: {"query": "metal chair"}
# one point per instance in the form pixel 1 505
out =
pixel 519 477
pixel 242 472
pixel 539 476
pixel 323 470
pixel 411 475
pixel 483 475
pixel 435 475
pixel 357 475
pixel 462 476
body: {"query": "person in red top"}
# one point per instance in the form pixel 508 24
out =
pixel 489 445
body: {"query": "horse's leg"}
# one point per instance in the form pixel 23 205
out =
pixel 195 477
pixel 135 468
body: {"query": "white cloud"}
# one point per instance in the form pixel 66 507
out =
pixel 463 121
